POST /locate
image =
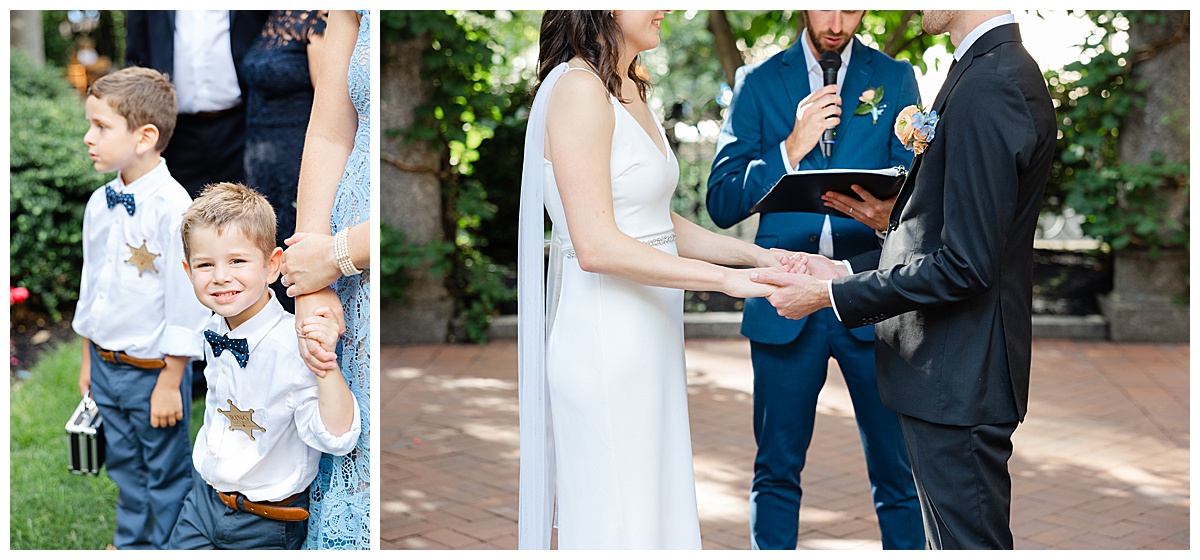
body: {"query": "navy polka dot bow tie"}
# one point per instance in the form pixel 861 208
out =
pixel 236 346
pixel 114 198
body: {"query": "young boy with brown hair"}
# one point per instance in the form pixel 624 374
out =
pixel 140 326
pixel 267 417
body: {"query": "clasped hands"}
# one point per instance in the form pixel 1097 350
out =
pixel 801 283
pixel 308 270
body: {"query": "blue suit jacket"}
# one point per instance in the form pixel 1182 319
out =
pixel 749 161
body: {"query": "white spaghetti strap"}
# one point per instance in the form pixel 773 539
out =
pixel 588 70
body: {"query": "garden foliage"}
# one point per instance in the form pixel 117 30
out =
pixel 50 180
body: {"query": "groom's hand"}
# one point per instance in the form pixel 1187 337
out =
pixel 797 295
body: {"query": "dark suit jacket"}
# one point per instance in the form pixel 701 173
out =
pixel 150 38
pixel 749 162
pixel 953 290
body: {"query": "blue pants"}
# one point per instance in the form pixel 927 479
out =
pixel 206 523
pixel 151 466
pixel 787 380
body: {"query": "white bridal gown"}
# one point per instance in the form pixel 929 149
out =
pixel 615 369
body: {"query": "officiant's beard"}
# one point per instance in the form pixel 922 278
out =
pixel 815 40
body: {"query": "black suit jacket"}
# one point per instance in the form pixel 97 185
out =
pixel 952 290
pixel 150 38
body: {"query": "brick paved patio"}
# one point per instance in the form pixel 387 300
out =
pixel 1101 462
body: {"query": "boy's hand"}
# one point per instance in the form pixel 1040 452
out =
pixel 166 403
pixel 166 406
pixel 306 305
pixel 321 331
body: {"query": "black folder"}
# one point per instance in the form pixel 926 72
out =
pixel 800 191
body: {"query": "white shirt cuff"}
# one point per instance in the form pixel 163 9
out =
pixel 833 303
pixel 180 341
pixel 787 163
pixel 338 445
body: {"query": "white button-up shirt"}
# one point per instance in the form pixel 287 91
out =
pixel 816 81
pixel 282 458
pixel 205 78
pixel 147 315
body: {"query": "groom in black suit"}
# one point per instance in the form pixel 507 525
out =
pixel 951 292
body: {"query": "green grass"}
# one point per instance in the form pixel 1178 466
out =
pixel 50 507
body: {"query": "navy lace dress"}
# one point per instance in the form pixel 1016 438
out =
pixel 279 99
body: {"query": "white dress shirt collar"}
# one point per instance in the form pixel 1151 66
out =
pixel 978 32
pixel 255 328
pixel 814 65
pixel 145 185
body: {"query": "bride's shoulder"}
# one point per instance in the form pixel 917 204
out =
pixel 579 93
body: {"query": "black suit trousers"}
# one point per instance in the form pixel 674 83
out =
pixel 207 150
pixel 962 482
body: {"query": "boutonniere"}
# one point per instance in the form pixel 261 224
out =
pixel 870 102
pixel 915 128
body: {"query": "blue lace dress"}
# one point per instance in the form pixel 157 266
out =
pixel 340 496
pixel 279 98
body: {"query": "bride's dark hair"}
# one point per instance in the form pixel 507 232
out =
pixel 592 35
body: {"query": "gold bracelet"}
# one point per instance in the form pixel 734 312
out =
pixel 341 253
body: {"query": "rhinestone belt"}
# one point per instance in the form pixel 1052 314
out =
pixel 653 242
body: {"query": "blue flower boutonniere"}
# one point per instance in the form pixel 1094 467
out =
pixel 870 102
pixel 915 128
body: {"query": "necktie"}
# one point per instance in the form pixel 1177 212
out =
pixel 236 346
pixel 113 198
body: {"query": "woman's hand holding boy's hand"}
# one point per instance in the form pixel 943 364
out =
pixel 309 263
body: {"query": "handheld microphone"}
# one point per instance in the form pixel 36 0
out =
pixel 830 62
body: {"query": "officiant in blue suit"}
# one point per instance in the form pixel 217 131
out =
pixel 780 109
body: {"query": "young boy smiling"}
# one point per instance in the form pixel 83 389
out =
pixel 267 418
pixel 139 323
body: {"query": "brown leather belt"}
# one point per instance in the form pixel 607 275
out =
pixel 118 357
pixel 277 511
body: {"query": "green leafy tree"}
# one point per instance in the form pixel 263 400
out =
pixel 473 96
pixel 1126 200
pixel 50 180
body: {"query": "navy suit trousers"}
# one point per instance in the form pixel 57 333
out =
pixel 150 466
pixel 787 380
pixel 206 523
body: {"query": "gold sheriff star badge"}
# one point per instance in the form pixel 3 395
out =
pixel 142 258
pixel 241 419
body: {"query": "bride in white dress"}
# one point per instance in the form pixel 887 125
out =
pixel 604 417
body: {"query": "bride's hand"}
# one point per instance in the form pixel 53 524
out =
pixel 739 285
pixel 774 258
pixel 816 265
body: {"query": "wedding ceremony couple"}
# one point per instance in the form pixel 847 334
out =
pixel 925 299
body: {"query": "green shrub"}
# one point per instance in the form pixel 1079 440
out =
pixel 50 180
